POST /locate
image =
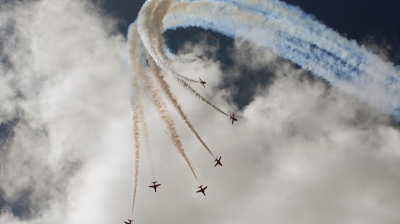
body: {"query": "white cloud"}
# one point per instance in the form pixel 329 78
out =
pixel 68 67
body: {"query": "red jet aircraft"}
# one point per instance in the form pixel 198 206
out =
pixel 202 190
pixel 155 186
pixel 129 222
pixel 218 161
pixel 200 57
pixel 233 118
pixel 202 82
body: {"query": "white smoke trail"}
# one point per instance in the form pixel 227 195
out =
pixel 145 26
pixel 293 35
pixel 196 94
pixel 142 120
pixel 190 179
pixel 201 176
pixel 157 27
pixel 145 165
pixel 174 101
pixel 162 50
pixel 175 57
pixel 155 160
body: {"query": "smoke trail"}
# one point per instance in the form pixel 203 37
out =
pixel 166 119
pixel 175 57
pixel 293 35
pixel 161 108
pixel 142 120
pixel 155 160
pixel 136 134
pixel 135 105
pixel 202 99
pixel 174 101
pixel 157 26
pixel 145 25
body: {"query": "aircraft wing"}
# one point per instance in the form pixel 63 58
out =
pixel 198 191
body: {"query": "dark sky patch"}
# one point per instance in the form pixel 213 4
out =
pixel 355 18
pixel 7 134
pixel 175 40
pixel 242 87
pixel 30 200
pixel 23 208
pixel 7 32
pixel 125 10
pixel 37 197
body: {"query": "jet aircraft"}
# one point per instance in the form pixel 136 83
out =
pixel 155 186
pixel 233 118
pixel 202 82
pixel 218 161
pixel 200 57
pixel 129 222
pixel 202 189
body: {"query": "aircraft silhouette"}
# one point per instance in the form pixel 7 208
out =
pixel 200 57
pixel 218 161
pixel 129 222
pixel 233 118
pixel 202 82
pixel 202 190
pixel 155 186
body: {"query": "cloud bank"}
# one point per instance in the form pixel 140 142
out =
pixel 60 97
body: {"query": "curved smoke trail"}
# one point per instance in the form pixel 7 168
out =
pixel 149 31
pixel 157 27
pixel 294 35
